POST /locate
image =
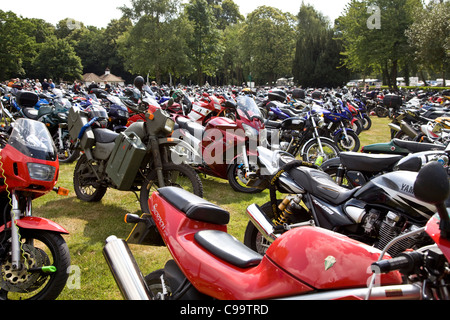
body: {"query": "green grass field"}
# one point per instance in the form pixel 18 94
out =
pixel 90 224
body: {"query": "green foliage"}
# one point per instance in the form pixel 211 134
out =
pixel 317 60
pixel 268 42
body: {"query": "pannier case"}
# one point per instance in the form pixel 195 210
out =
pixel 125 160
pixel 76 121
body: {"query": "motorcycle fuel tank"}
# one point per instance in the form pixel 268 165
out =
pixel 395 190
pixel 326 260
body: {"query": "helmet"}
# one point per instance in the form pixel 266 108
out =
pixel 139 82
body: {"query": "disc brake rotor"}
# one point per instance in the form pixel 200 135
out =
pixel 23 281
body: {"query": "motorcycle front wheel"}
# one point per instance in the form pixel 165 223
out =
pixel 176 175
pixel 238 181
pixel 85 182
pixel 350 142
pixel 38 249
pixel 312 151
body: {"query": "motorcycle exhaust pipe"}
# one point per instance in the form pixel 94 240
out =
pixel 125 270
pixel 406 128
pixel 261 222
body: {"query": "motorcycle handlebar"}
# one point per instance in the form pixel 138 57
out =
pixel 405 263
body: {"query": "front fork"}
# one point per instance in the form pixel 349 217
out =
pixel 15 237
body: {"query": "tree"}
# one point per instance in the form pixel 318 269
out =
pixel 57 59
pixel 268 41
pixel 429 36
pixel 205 43
pixel 16 45
pixel 156 44
pixel 317 55
pixel 383 47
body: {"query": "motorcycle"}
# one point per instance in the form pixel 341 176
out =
pixel 208 263
pixel 136 159
pixel 34 257
pixel 354 169
pixel 300 136
pixel 117 111
pixel 375 213
pixel 401 147
pixel 223 142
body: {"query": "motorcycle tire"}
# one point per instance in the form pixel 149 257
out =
pixel 40 248
pixel 311 151
pixel 85 182
pixel 352 143
pixel 192 181
pixel 381 112
pixel 367 122
pixel 237 180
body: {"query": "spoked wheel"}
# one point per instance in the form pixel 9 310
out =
pixel 350 142
pixel 85 181
pixel 313 153
pixel 176 175
pixel 45 259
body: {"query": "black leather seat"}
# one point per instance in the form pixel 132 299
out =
pixel 321 185
pixel 414 147
pixel 191 126
pixel 228 248
pixel 103 135
pixel 194 207
pixel 368 162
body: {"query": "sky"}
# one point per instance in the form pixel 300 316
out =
pixel 100 12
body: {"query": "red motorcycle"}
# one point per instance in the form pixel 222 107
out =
pixel 222 142
pixel 305 262
pixel 34 257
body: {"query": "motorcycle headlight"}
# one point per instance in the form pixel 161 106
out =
pixel 122 113
pixel 170 124
pixel 43 172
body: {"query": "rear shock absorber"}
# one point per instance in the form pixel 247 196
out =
pixel 287 209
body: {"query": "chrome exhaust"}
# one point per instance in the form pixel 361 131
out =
pixel 261 222
pixel 125 270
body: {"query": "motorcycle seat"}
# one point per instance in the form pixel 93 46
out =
pixel 30 113
pixel 368 162
pixel 321 185
pixel 194 207
pixel 228 248
pixel 103 135
pixel 414 147
pixel 192 127
pixel 272 124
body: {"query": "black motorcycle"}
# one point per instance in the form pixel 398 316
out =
pixel 375 213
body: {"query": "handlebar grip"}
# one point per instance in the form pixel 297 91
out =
pixel 405 263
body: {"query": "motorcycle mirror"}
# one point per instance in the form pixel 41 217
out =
pixel 432 184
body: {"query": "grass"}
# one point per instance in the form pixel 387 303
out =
pixel 90 224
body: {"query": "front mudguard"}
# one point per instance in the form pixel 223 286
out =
pixel 37 223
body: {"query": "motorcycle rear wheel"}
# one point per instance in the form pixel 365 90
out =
pixel 177 175
pixel 84 182
pixel 40 248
